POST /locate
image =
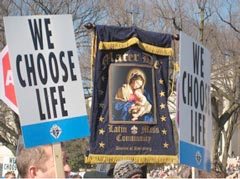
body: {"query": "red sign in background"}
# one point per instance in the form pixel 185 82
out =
pixel 9 89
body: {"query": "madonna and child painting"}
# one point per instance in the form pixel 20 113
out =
pixel 131 90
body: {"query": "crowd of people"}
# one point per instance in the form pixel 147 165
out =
pixel 166 171
pixel 38 162
pixel 233 168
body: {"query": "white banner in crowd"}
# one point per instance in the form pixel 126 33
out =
pixel 194 105
pixel 47 78
pixel 9 164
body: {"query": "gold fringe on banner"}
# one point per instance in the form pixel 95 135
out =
pixel 93 52
pixel 132 41
pixel 95 158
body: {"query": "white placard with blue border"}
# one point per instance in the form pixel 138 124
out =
pixel 194 105
pixel 47 78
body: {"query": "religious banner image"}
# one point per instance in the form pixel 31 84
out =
pixel 132 94
pixel 129 113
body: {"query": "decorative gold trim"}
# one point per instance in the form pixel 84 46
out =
pixel 93 53
pixel 95 158
pixel 132 41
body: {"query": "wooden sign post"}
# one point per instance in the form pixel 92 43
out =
pixel 58 160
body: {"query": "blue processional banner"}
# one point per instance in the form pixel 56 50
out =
pixel 129 116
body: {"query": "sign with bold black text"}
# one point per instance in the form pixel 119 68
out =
pixel 47 78
pixel 194 108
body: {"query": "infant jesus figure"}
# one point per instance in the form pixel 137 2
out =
pixel 141 105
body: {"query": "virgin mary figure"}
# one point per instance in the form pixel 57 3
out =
pixel 126 103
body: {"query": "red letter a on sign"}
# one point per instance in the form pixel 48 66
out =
pixel 8 94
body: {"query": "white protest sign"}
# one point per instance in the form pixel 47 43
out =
pixel 194 105
pixel 9 164
pixel 47 78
